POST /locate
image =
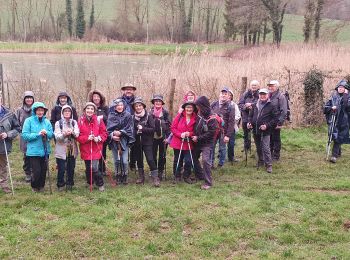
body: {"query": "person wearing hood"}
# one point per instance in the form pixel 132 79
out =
pixel 182 129
pixel 66 149
pixel 96 97
pixel 9 129
pixel 62 99
pixel 226 111
pixel 162 124
pixel 91 138
pixel 37 132
pixel 22 113
pixel 245 104
pixel 339 106
pixel 144 132
pixel 204 135
pixel 120 130
pixel 262 119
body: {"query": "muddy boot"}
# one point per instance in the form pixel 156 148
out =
pixel 118 178
pixel 125 179
pixel 141 179
pixel 160 175
pixel 155 178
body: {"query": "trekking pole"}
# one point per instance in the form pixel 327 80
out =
pixel 189 147
pixel 8 167
pixel 113 183
pixel 246 155
pixel 91 162
pixel 178 159
pixel 164 160
pixel 44 139
pixel 120 160
pixel 330 136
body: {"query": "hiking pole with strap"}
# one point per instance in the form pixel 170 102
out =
pixel 330 136
pixel 189 148
pixel 91 133
pixel 164 160
pixel 8 167
pixel 122 172
pixel 178 159
pixel 44 139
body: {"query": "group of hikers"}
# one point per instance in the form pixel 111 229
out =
pixel 131 131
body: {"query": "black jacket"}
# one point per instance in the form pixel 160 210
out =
pixel 247 97
pixel 227 112
pixel 147 133
pixel 266 115
pixel 280 102
pixel 103 109
pixel 162 124
pixel 56 111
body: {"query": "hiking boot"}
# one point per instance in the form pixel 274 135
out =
pixel 124 179
pixel 101 188
pixel 269 169
pixel 28 178
pixel 160 175
pixel 333 159
pixel 188 180
pixel 6 189
pixel 118 178
pixel 205 187
pixel 60 189
pixel 141 179
pixel 156 182
pixel 35 190
pixel 69 187
pixel 42 189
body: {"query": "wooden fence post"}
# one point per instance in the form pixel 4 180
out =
pixel 88 87
pixel 2 87
pixel 172 96
pixel 244 84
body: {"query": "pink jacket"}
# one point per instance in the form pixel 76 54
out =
pixel 179 126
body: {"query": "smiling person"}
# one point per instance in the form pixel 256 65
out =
pixel 22 114
pixel 262 119
pixel 37 132
pixel 144 132
pixel 96 97
pixel 62 99
pixel 91 138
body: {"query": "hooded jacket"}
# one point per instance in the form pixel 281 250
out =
pixel 122 122
pixel 8 124
pixel 30 132
pixel 263 114
pixel 56 111
pixel 22 113
pixel 247 97
pixel 64 144
pixel 129 101
pixel 227 112
pixel 103 109
pixel 147 123
pixel 90 149
pixel 162 124
pixel 206 125
pixel 178 126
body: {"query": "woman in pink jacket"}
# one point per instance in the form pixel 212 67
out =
pixel 182 129
pixel 92 136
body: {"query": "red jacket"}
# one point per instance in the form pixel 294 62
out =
pixel 98 129
pixel 179 126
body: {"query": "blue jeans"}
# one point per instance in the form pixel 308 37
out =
pixel 120 167
pixel 231 147
pixel 222 152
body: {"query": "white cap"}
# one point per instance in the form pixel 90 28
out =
pixel 264 91
pixel 254 82
pixel 274 82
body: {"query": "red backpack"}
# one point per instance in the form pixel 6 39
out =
pixel 220 129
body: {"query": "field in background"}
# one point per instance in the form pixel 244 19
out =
pixel 299 211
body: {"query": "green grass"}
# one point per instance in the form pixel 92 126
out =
pixel 296 212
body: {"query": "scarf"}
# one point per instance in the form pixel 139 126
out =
pixel 222 102
pixel 138 116
pixel 158 112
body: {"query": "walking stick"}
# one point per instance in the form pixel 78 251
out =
pixel 8 167
pixel 178 159
pixel 91 162
pixel 44 139
pixel 330 135
pixel 164 160
pixel 189 147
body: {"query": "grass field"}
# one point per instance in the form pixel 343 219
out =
pixel 296 212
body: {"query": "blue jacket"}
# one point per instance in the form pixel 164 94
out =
pixel 30 132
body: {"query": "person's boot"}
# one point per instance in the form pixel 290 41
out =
pixel 118 178
pixel 28 178
pixel 160 175
pixel 141 179
pixel 269 169
pixel 125 179
pixel 333 159
pixel 155 178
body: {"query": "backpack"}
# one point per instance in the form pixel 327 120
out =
pixel 61 123
pixel 220 129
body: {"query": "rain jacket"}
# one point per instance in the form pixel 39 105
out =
pixel 178 126
pixel 56 111
pixel 247 97
pixel 8 124
pixel 263 114
pixel 102 110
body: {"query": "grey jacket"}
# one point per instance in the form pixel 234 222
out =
pixel 227 112
pixel 8 124
pixel 279 101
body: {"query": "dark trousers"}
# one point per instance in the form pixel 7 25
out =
pixel 203 171
pixel 101 163
pixel 275 143
pixel 146 150
pixel 160 148
pixel 65 166
pixel 39 168
pixel 336 150
pixel 26 165
pixel 97 177
pixel 132 157
pixel 231 147
pixel 184 162
pixel 262 143
pixel 246 136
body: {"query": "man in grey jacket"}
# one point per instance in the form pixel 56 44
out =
pixel 9 129
pixel 280 102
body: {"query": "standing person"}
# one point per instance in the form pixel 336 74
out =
pixel 190 96
pixel 9 129
pixel 37 132
pixel 99 100
pixel 262 119
pixel 66 149
pixel 337 109
pixel 121 136
pixel 144 132
pixel 204 135
pixel 162 124
pixel 182 129
pixel 62 99
pixel 22 114
pixel 280 102
pixel 226 111
pixel 92 135
pixel 245 104
pixel 231 144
